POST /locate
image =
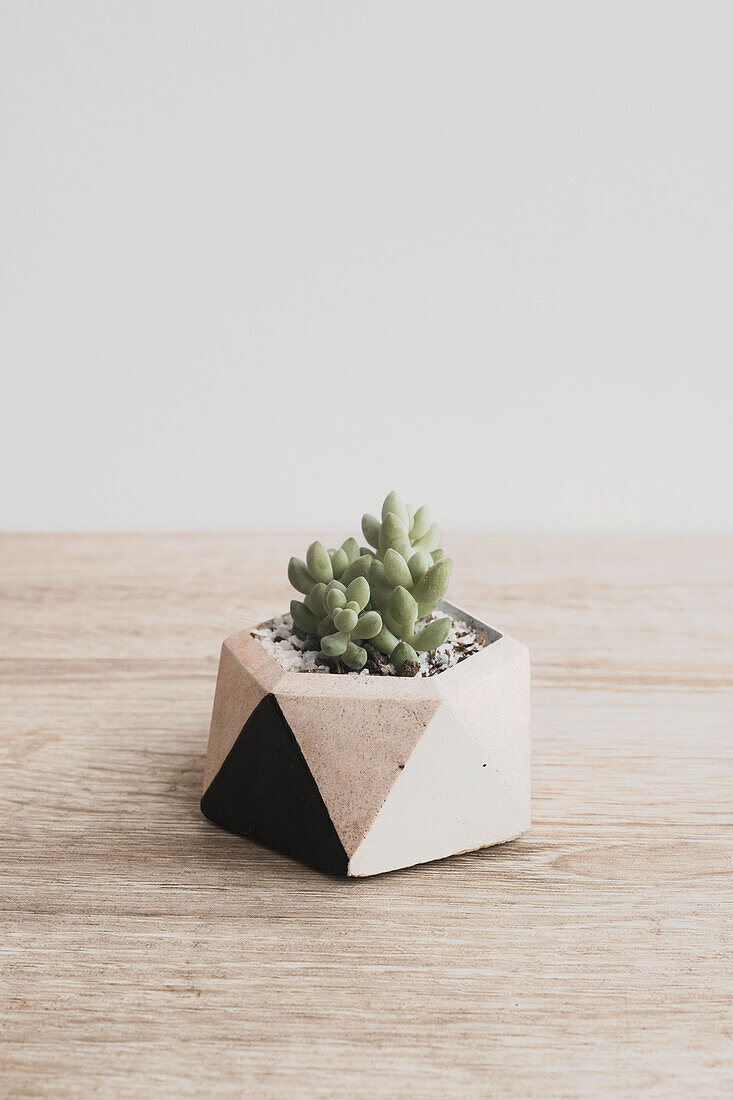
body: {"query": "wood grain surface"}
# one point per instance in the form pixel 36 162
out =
pixel 145 952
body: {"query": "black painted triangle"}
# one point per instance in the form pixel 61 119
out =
pixel 264 789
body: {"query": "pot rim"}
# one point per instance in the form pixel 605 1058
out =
pixel 494 653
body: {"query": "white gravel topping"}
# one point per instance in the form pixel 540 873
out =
pixel 285 647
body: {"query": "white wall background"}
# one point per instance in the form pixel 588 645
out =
pixel 261 262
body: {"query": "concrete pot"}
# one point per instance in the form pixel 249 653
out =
pixel 357 775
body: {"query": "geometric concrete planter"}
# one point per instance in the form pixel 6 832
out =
pixel 357 775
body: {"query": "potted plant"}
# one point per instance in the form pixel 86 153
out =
pixel 375 726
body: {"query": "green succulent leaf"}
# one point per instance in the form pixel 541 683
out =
pixel 376 573
pixel 402 606
pixel 370 526
pixel 368 625
pixel 432 585
pixel 432 635
pixel 333 645
pixel 420 523
pixel 379 586
pixel 393 531
pixel 303 618
pixel 299 576
pixel 394 505
pixel 315 601
pixel 403 548
pixel 358 568
pixel 430 540
pixel 351 548
pixel 319 562
pixel 354 656
pixel 339 561
pixel 335 599
pixel 385 641
pixel 358 591
pixel 419 564
pixel 437 555
pixel 345 619
pixel 401 653
pixel 396 569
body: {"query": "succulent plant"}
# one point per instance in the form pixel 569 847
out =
pixel 405 592
pixel 337 595
pixel 380 594
pixel 402 529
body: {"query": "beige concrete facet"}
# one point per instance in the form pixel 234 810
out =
pixel 356 747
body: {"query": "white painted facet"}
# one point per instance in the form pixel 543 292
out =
pixel 491 700
pixel 451 797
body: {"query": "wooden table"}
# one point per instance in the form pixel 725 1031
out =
pixel 146 952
